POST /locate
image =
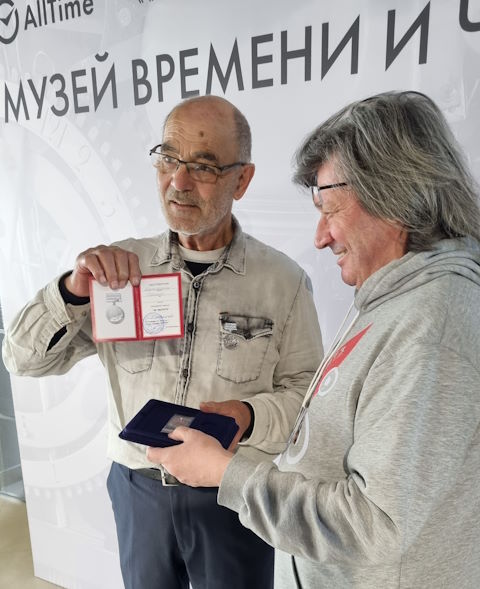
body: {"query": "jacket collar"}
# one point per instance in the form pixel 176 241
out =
pixel 233 257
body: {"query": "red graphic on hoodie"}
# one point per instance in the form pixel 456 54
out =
pixel 341 354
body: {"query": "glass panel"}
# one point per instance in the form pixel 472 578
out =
pixel 11 482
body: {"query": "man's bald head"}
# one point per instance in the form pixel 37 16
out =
pixel 220 107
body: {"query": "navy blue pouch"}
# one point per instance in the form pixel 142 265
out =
pixel 152 424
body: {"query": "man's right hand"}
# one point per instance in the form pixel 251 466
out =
pixel 109 265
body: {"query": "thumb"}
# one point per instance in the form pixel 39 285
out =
pixel 180 433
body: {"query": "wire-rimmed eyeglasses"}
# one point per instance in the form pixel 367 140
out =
pixel 316 190
pixel 199 171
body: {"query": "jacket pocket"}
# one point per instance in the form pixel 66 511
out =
pixel 134 357
pixel 243 344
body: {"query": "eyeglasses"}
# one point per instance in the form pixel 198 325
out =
pixel 316 190
pixel 200 172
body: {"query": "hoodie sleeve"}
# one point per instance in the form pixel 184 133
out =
pixel 414 437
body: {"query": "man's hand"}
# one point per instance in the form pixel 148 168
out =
pixel 200 461
pixel 109 265
pixel 236 409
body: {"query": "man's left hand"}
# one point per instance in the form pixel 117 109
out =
pixel 236 409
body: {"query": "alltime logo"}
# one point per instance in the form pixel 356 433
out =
pixel 38 14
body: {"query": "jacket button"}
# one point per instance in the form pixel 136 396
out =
pixel 185 372
pixel 196 285
pixel 190 327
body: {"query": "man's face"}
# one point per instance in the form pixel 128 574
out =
pixel 200 212
pixel 362 243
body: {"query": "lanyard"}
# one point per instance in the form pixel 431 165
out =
pixel 337 342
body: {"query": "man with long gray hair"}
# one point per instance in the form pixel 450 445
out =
pixel 378 486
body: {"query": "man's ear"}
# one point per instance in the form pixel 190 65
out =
pixel 244 179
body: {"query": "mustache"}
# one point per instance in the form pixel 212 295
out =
pixel 182 198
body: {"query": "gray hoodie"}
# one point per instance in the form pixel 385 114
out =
pixel 382 489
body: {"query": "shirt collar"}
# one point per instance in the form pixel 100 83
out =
pixel 233 257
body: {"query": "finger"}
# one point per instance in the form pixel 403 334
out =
pixel 180 433
pixel 88 263
pixel 101 262
pixel 210 407
pixel 118 265
pixel 236 439
pixel 122 269
pixel 134 269
pixel 233 408
pixel 155 455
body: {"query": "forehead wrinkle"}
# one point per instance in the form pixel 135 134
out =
pixel 205 155
pixel 196 155
pixel 190 149
pixel 190 135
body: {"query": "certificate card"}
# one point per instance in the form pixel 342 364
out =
pixel 151 310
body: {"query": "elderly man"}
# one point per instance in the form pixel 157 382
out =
pixel 379 484
pixel 251 346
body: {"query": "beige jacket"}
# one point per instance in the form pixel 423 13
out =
pixel 270 361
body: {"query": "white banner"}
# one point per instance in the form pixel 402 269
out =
pixel 84 88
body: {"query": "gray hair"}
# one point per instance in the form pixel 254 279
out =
pixel 401 159
pixel 243 134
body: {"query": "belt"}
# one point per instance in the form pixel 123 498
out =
pixel 159 474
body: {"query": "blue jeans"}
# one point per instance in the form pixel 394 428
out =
pixel 170 536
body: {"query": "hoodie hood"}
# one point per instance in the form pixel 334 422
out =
pixel 448 256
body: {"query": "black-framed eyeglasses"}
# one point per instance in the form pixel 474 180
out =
pixel 200 172
pixel 316 190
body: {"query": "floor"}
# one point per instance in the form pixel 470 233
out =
pixel 16 567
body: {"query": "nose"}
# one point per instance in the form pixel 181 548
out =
pixel 181 179
pixel 322 234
